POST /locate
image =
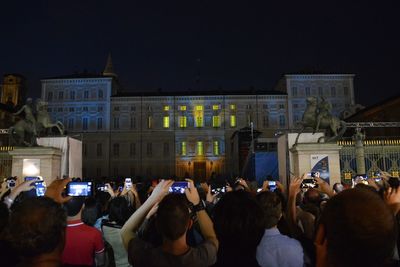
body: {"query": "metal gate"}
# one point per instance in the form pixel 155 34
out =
pixel 380 155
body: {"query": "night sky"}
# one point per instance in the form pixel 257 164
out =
pixel 232 44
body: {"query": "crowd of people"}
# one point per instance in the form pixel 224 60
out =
pixel 229 224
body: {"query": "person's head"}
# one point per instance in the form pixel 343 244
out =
pixel 238 222
pixel 74 206
pixel 272 207
pixel 119 210
pixel 173 218
pixel 338 187
pixel 360 229
pixel 90 211
pixel 312 196
pixel 36 227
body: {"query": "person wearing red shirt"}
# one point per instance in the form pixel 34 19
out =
pixel 83 244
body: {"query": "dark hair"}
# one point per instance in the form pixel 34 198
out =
pixel 272 207
pixel 74 205
pixel 90 211
pixel 312 196
pixel 239 221
pixel 360 229
pixel 119 210
pixel 173 216
pixel 36 226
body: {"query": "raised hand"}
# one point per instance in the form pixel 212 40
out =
pixel 55 189
pixel 191 193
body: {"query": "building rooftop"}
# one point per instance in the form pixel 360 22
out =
pixel 77 75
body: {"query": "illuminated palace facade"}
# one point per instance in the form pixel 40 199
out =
pixel 161 134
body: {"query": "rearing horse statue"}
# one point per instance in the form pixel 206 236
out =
pixel 318 117
pixel 43 119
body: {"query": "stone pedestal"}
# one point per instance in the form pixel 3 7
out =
pixel 302 153
pixel 42 161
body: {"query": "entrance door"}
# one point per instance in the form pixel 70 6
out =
pixel 199 171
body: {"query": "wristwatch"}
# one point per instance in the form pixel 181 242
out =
pixel 199 207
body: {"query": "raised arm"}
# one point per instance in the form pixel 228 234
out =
pixel 134 222
pixel 205 223
pixel 294 189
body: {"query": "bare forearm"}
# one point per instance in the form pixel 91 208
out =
pixel 207 227
pixel 134 222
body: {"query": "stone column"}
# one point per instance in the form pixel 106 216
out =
pixel 358 138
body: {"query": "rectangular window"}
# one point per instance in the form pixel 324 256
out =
pixel 248 106
pixel 99 123
pixel 216 121
pixel 84 124
pixel 49 96
pixel 266 121
pixel 320 91
pixel 281 106
pixel 149 149
pixel 166 108
pixel 149 122
pixel 100 109
pixel 116 150
pixel 116 122
pixel 182 121
pixel 215 107
pixel 60 95
pixel 86 94
pixel 182 108
pixel 166 122
pixel 85 109
pixel 282 121
pixel 132 151
pixel 232 119
pixel 308 91
pixel 199 116
pixel 98 172
pixel 166 149
pixel 200 148
pixel 333 91
pixel 72 95
pixel 133 122
pixel 100 94
pixel 60 109
pixel 216 148
pixel 346 91
pixel 99 150
pixel 294 91
pixel 265 106
pixel 70 123
pixel 71 109
pixel 232 107
pixel 183 148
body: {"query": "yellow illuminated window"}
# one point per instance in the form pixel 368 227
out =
pixel 215 121
pixel 232 106
pixel 216 148
pixel 215 107
pixel 182 108
pixel 182 121
pixel 199 108
pixel 200 149
pixel 149 122
pixel 199 120
pixel 183 148
pixel 166 121
pixel 166 108
pixel 233 120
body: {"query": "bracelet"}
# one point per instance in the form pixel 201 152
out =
pixel 199 207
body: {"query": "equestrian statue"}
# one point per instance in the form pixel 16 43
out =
pixel 318 116
pixel 35 122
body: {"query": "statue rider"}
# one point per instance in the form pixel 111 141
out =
pixel 29 116
pixel 324 111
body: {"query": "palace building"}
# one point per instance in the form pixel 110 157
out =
pixel 157 134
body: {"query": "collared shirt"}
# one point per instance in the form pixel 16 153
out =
pixel 278 250
pixel 82 242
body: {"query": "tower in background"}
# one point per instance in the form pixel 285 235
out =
pixel 13 89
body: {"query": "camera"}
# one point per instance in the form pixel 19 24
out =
pixel 40 188
pixel 79 189
pixel 272 185
pixel 216 189
pixel 309 183
pixel 178 187
pixel 128 183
